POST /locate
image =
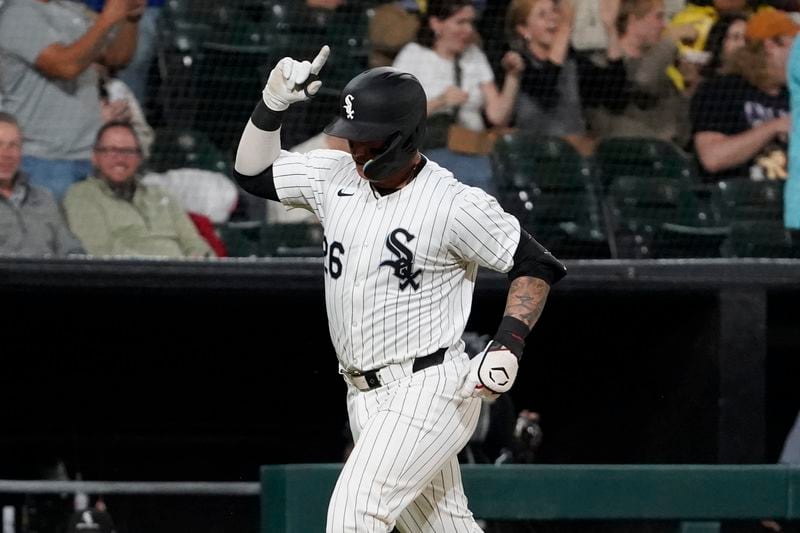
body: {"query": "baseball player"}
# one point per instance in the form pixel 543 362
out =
pixel 403 240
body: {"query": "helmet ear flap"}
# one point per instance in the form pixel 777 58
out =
pixel 388 161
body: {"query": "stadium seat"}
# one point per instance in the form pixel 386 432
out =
pixel 256 238
pixel 242 238
pixel 213 61
pixel 184 148
pixel 644 158
pixel 761 239
pixel 178 52
pixel 661 218
pixel 291 240
pixel 743 200
pixel 546 183
pixel 754 212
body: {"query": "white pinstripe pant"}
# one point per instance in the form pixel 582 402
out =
pixel 403 469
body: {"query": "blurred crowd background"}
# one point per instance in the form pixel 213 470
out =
pixel 611 128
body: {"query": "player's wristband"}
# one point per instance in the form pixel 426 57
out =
pixel 265 118
pixel 511 334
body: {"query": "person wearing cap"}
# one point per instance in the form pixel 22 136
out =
pixel 740 120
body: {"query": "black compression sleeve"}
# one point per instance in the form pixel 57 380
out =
pixel 261 185
pixel 532 259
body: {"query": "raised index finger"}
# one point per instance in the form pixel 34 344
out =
pixel 320 60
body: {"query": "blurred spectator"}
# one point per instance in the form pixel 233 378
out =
pixel 204 192
pixel 208 197
pixel 31 221
pixel 652 105
pixel 135 75
pixel 459 84
pixel 46 52
pixel 113 213
pixel 119 104
pixel 791 193
pixel 702 16
pixel 590 33
pixel 726 36
pixel 556 79
pixel 741 120
pixel 392 26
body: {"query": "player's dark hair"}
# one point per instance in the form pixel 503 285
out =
pixel 440 9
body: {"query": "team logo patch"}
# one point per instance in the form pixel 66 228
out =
pixel 404 264
pixel 348 106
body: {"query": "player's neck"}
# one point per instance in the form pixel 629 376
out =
pixel 401 179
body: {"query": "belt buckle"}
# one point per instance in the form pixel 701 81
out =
pixel 364 381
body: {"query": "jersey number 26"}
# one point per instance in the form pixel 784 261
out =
pixel 331 257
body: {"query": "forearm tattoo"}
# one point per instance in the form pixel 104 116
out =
pixel 526 299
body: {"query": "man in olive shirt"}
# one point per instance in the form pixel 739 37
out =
pixel 113 213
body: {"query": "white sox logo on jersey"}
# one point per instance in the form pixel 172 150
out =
pixel 348 106
pixel 404 264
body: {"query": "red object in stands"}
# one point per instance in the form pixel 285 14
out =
pixel 206 230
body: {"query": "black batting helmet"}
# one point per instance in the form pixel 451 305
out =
pixel 383 104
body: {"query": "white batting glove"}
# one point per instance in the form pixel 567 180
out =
pixel 287 81
pixel 492 372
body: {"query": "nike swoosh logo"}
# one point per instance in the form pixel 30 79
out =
pixel 341 192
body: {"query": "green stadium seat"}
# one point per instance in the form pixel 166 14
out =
pixel 255 238
pixel 546 183
pixel 242 238
pixel 183 148
pixel 291 240
pixel 662 218
pixel 754 212
pixel 644 158
pixel 743 200
pixel 761 239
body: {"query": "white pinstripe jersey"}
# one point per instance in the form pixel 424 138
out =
pixel 399 269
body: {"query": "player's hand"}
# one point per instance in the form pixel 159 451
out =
pixel 289 81
pixel 492 372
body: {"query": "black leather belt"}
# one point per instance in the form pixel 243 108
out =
pixel 420 363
